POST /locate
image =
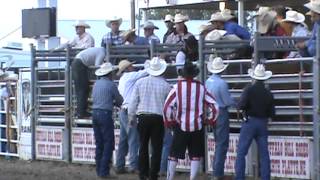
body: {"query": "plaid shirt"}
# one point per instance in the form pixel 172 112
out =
pixel 148 96
pixel 115 40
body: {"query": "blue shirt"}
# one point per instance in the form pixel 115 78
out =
pixel 140 41
pixel 220 90
pixel 113 39
pixel 105 94
pixel 234 28
pixel 311 43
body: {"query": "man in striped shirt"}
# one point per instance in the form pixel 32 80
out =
pixel 147 100
pixel 184 110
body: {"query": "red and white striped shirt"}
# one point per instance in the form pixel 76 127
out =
pixel 185 105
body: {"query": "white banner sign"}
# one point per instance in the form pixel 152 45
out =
pixel 83 144
pixel 49 143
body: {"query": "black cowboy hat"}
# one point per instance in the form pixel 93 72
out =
pixel 189 70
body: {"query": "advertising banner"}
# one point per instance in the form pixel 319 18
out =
pixel 49 143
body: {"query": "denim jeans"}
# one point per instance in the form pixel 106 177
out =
pixel 128 143
pixel 254 128
pixel 167 141
pixel 221 137
pixel 81 85
pixel 103 128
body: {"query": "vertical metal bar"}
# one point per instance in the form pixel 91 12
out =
pixel 256 50
pixel 133 14
pixel 201 58
pixel 152 44
pixel 107 58
pixel 241 12
pixel 316 100
pixel 67 125
pixel 33 102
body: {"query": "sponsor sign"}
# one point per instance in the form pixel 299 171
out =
pixel 49 143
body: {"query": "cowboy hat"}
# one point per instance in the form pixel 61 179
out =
pixel 217 17
pixel 294 16
pixel 215 35
pixel 81 23
pixel 123 64
pixel 149 25
pixel 313 6
pixel 104 69
pixel 169 18
pixel 205 28
pixel 259 73
pixel 226 13
pixel 178 18
pixel 113 19
pixel 216 65
pixel 189 70
pixel 155 66
pixel 265 21
pixel 126 34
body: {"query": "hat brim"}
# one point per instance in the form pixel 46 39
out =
pixel 153 72
pixel 216 71
pixel 102 72
pixel 120 70
pixel 300 19
pixel 82 25
pixel 108 22
pixel 151 27
pixel 309 6
pixel 266 76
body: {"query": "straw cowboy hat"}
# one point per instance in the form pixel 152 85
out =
pixel 189 70
pixel 294 16
pixel 155 66
pixel 259 73
pixel 314 6
pixel 216 65
pixel 169 18
pixel 205 28
pixel 217 17
pixel 126 34
pixel 178 18
pixel 215 35
pixel 226 13
pixel 81 23
pixel 123 64
pixel 149 25
pixel 104 69
pixel 113 19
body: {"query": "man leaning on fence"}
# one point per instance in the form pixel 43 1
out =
pixel 258 105
pixel 219 88
pixel 129 139
pixel 113 37
pixel 105 95
pixel 146 103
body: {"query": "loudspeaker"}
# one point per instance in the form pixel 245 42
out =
pixel 39 22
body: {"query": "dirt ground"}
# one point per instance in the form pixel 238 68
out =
pixel 15 169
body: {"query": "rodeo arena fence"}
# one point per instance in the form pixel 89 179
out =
pixel 49 129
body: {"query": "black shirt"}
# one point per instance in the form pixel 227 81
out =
pixel 257 101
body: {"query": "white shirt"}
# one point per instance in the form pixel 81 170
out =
pixel 127 83
pixel 93 56
pixel 80 42
pixel 180 59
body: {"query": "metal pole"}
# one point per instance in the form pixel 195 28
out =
pixel 107 58
pixel 33 102
pixel 256 50
pixel 133 14
pixel 316 100
pixel 152 49
pixel 67 130
pixel 241 12
pixel 201 59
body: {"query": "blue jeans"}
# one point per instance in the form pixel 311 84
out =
pixel 254 128
pixel 167 141
pixel 103 128
pixel 129 142
pixel 221 137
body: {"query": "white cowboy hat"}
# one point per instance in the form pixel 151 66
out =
pixel 217 17
pixel 216 65
pixel 294 16
pixel 215 35
pixel 262 10
pixel 168 17
pixel 125 34
pixel 265 20
pixel 313 6
pixel 259 73
pixel 178 18
pixel 155 66
pixel 226 13
pixel 104 69
pixel 113 19
pixel 149 25
pixel 123 64
pixel 81 23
